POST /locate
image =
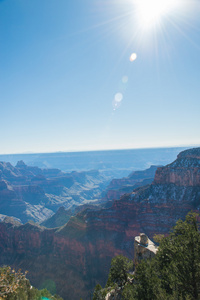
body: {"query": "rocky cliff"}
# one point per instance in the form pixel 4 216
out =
pixel 31 193
pixel 144 248
pixel 69 259
pixel 185 171
pixel 60 218
pixel 121 186
pixel 77 255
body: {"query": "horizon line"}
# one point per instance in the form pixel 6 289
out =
pixel 100 150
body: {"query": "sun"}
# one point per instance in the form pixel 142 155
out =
pixel 150 12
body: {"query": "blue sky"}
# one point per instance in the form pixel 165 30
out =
pixel 67 82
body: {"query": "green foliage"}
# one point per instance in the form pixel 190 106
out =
pixel 178 259
pixel 158 238
pixel 173 274
pixel 120 267
pixel 128 292
pixel 146 281
pixel 49 285
pixel 99 293
pixel 12 283
pixel 15 286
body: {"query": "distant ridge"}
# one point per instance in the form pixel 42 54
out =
pixel 128 159
pixel 32 193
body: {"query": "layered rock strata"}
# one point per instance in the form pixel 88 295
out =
pixel 76 256
pixel 31 193
pixel 119 187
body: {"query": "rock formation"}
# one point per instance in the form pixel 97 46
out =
pixel 144 248
pixel 119 187
pixel 60 218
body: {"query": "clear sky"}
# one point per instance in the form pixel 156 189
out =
pixel 67 81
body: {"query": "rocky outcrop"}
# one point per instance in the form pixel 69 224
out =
pixel 144 248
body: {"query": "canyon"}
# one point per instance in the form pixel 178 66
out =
pixel 73 258
pixel 30 193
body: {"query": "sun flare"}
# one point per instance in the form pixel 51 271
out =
pixel 150 12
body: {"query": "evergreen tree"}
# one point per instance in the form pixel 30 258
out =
pixel 178 259
pixel 173 274
pixel 120 266
pixel 99 293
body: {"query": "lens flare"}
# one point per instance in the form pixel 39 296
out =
pixel 117 100
pixel 133 57
pixel 124 79
pixel 118 97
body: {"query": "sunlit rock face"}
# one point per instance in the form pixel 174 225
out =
pixel 144 248
pixel 185 171
pixel 76 256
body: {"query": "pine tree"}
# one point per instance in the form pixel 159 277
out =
pixel 178 259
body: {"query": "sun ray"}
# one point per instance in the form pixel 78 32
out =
pixel 177 27
pixel 150 12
